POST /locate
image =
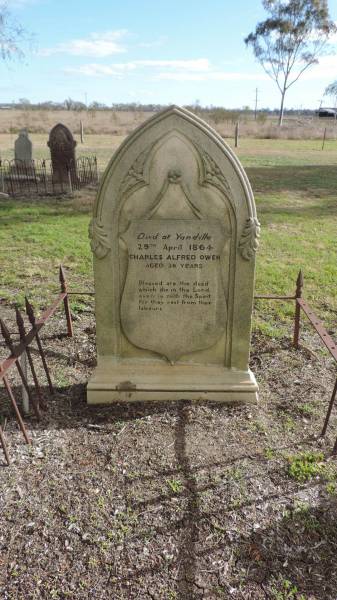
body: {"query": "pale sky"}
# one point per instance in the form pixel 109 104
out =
pixel 163 51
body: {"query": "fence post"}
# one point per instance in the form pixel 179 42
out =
pixel 82 132
pixel 66 302
pixel 298 294
pixel 25 398
pixel 2 179
pixel 32 320
pixel 328 414
pixel 237 134
pixel 4 447
pixel 324 136
pixel 69 180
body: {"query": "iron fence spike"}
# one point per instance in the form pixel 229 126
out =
pixel 20 323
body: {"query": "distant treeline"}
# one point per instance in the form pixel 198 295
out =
pixel 217 113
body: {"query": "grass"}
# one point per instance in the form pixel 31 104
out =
pixel 36 238
pixel 296 194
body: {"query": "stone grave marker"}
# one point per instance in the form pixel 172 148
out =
pixel 174 237
pixel 23 149
pixel 62 150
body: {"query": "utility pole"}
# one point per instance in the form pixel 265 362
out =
pixel 256 97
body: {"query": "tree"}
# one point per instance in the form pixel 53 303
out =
pixel 331 90
pixel 12 35
pixel 70 104
pixel 290 40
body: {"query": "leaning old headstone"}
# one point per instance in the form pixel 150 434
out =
pixel 62 151
pixel 23 149
pixel 174 236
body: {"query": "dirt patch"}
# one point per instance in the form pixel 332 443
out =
pixel 169 500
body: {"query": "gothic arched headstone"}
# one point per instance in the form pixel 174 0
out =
pixel 62 152
pixel 174 236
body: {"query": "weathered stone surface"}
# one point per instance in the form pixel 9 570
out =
pixel 62 151
pixel 174 236
pixel 23 148
pixel 174 277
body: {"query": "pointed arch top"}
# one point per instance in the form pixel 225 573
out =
pixel 178 114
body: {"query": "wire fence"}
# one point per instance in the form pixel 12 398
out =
pixel 38 177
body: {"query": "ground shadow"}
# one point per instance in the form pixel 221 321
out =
pixel 300 549
pixel 311 178
pixel 186 576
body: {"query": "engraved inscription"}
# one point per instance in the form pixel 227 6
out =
pixel 173 301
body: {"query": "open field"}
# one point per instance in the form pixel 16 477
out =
pixel 113 122
pixel 177 501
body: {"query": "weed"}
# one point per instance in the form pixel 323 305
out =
pixel 304 517
pixel 258 426
pixel 101 502
pixel 175 485
pixel 289 424
pixel 72 518
pixel 92 562
pixel 305 466
pixel 124 523
pixel 306 409
pixel 269 453
pixel 286 591
pixel 331 488
pixel 235 473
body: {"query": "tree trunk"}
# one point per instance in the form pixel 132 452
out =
pixel 280 118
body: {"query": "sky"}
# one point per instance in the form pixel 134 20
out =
pixel 150 51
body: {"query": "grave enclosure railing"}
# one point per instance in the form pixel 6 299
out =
pixel 22 349
pixel 37 177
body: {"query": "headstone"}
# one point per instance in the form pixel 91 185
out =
pixel 174 237
pixel 23 149
pixel 62 151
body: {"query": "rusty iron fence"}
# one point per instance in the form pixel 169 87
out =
pixel 37 400
pixel 17 351
pixel 37 177
pixel 302 306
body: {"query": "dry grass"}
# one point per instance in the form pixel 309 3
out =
pixel 123 122
pixel 99 122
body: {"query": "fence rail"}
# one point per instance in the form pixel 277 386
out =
pixel 27 178
pixel 17 350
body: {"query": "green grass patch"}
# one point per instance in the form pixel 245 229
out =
pixel 38 236
pixel 295 185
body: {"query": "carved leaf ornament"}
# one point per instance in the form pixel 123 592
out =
pixel 249 240
pixel 99 236
pixel 135 174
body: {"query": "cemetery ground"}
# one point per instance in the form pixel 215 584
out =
pixel 178 500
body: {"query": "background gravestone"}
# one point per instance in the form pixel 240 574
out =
pixel 23 148
pixel 174 237
pixel 62 151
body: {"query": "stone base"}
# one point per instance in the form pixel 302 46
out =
pixel 126 381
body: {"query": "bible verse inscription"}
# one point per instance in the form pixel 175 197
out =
pixel 173 295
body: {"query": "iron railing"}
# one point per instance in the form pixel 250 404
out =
pixel 38 177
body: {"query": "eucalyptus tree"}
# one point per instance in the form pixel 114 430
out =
pixel 12 35
pixel 331 90
pixel 290 40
